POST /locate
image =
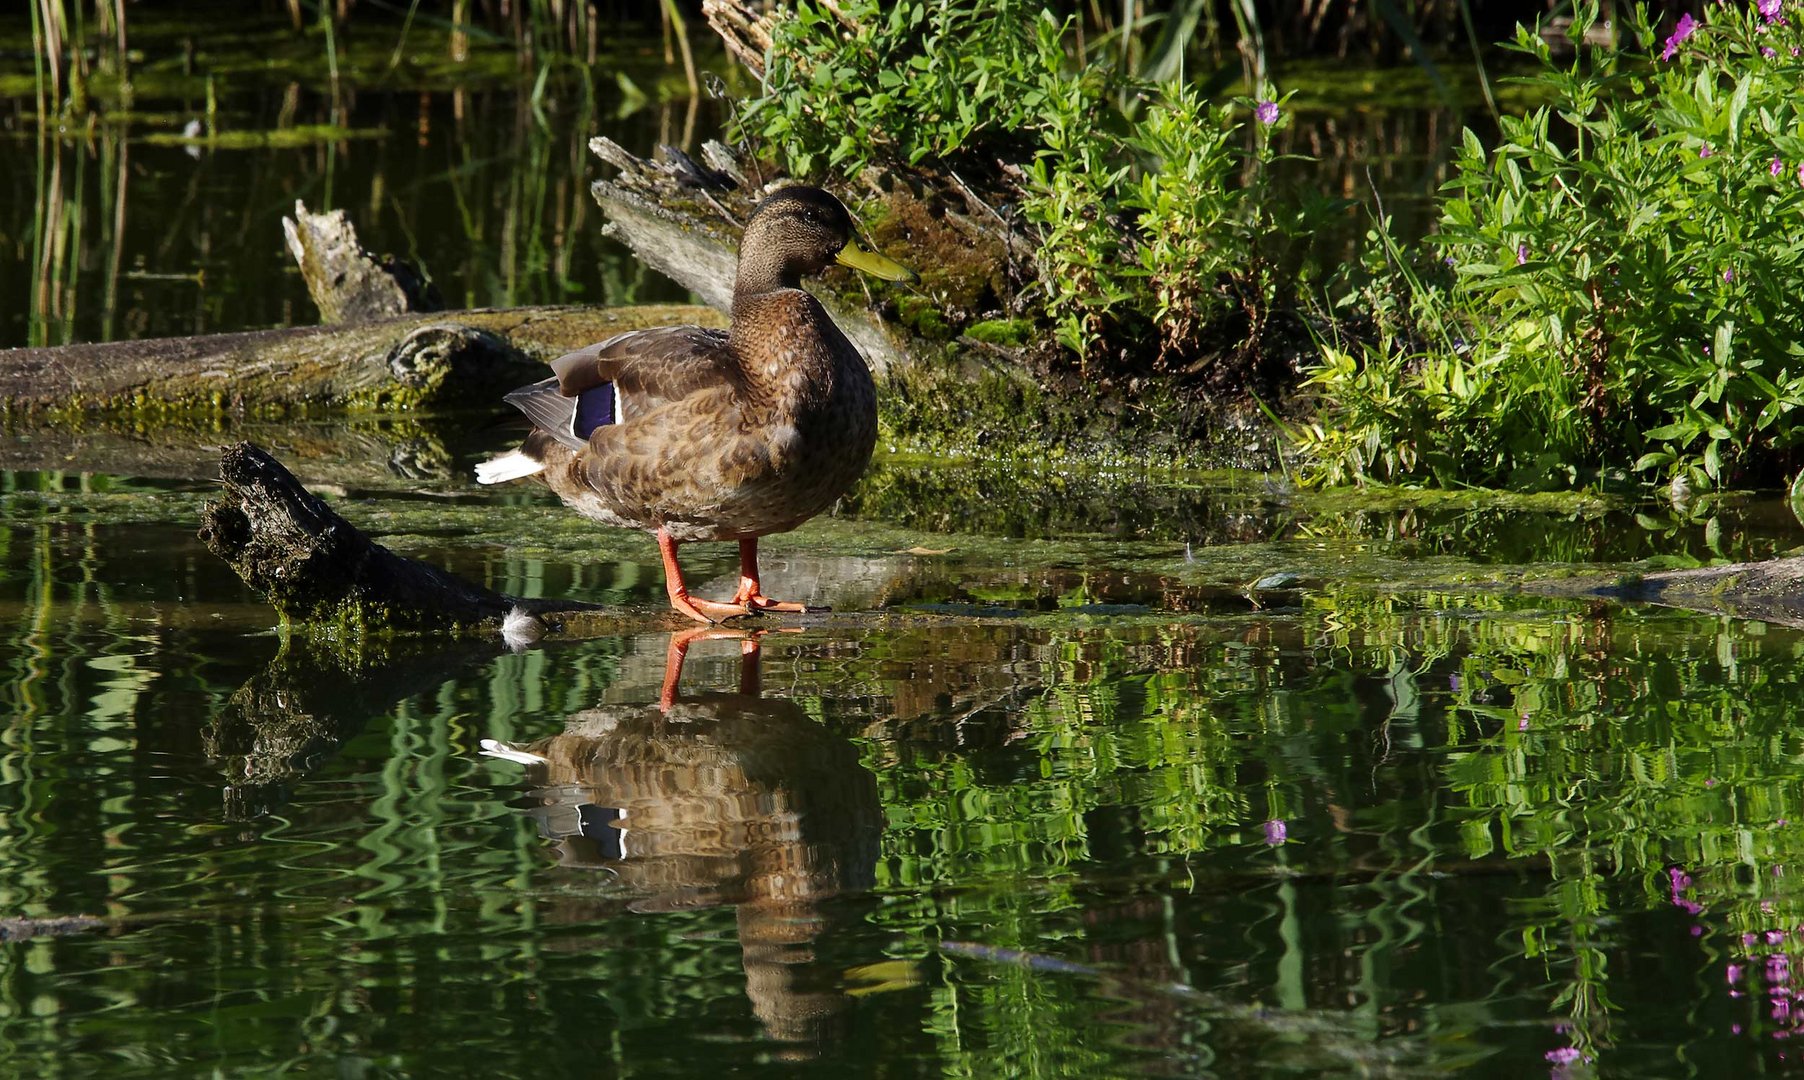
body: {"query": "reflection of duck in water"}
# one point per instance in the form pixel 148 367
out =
pixel 719 798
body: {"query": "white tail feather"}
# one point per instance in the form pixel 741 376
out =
pixel 511 466
pixel 495 748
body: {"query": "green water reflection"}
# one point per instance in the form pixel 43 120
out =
pixel 1367 830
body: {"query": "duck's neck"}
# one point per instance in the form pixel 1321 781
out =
pixel 779 337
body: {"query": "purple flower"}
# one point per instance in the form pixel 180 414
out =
pixel 1768 51
pixel 1704 151
pixel 1728 274
pixel 1276 831
pixel 1522 249
pixel 1565 1055
pixel 1776 167
pixel 1266 112
pixel 1734 973
pixel 1801 172
pixel 1769 9
pixel 1687 26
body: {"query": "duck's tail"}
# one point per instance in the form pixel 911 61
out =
pixel 555 418
pixel 509 466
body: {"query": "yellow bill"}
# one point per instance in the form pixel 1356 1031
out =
pixel 875 265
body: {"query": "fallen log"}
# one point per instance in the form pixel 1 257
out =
pixel 407 361
pixel 1771 590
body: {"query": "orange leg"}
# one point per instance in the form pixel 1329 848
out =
pixel 750 593
pixel 705 611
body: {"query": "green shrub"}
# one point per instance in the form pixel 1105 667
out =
pixel 1150 207
pixel 1618 281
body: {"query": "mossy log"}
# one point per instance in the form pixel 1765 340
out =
pixel 451 357
pixel 1770 591
pixel 315 567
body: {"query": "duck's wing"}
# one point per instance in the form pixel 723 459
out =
pixel 627 375
pixel 648 368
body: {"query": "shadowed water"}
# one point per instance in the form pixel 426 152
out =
pixel 1076 808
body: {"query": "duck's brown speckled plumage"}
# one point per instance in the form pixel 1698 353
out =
pixel 721 435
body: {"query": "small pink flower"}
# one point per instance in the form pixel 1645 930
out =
pixel 1734 973
pixel 1704 151
pixel 1769 9
pixel 1728 274
pixel 1565 1055
pixel 1686 27
pixel 1776 167
pixel 1768 51
pixel 1266 112
pixel 1522 249
pixel 1801 173
pixel 1276 832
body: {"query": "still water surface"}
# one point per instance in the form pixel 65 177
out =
pixel 1076 805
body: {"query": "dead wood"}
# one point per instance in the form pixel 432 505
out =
pixel 1770 591
pixel 313 566
pixel 463 356
pixel 348 283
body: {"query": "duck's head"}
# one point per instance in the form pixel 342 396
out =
pixel 799 231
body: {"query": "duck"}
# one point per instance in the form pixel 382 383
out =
pixel 695 434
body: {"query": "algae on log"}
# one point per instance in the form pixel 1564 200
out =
pixel 315 567
pixel 463 356
pixel 1770 591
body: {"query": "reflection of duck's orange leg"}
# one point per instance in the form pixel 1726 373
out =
pixel 750 680
pixel 678 648
pixel 750 593
pixel 703 611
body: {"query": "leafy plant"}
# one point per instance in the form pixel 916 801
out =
pixel 1151 211
pixel 1617 283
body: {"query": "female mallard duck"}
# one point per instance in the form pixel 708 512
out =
pixel 696 434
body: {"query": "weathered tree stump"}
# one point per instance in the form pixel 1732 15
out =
pixel 315 567
pixel 348 283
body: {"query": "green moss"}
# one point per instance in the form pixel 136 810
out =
pixel 1001 331
pixel 922 316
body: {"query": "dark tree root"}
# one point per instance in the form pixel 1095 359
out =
pixel 315 567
